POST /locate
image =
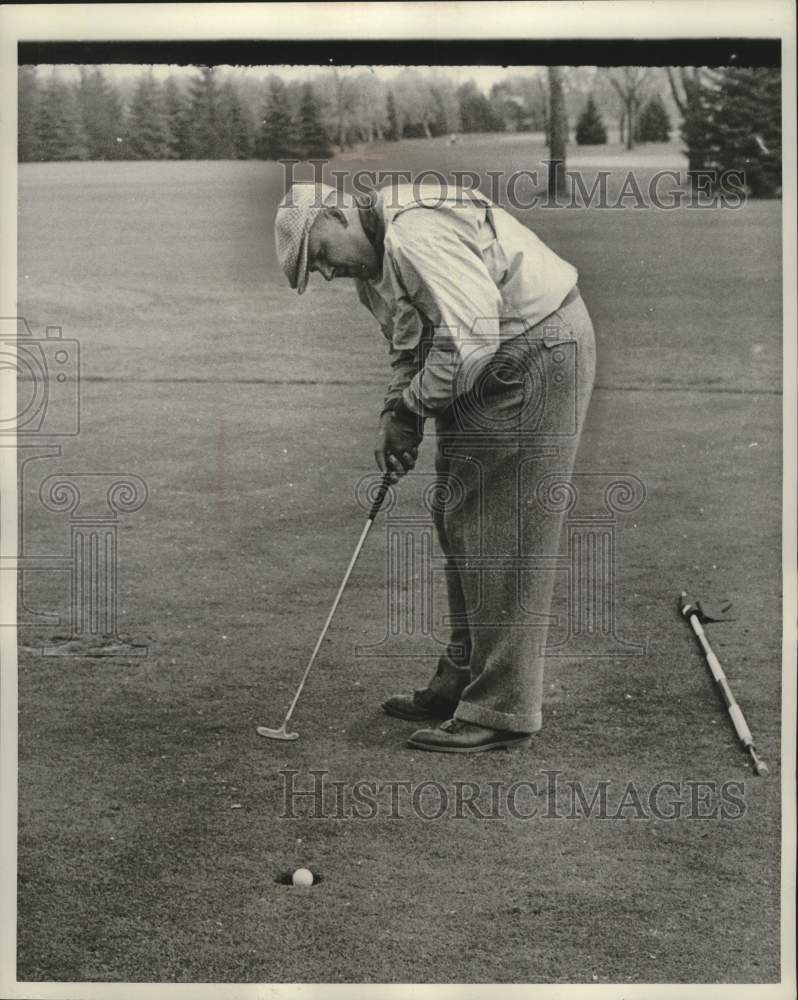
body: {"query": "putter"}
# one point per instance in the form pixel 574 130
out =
pixel 695 613
pixel 283 733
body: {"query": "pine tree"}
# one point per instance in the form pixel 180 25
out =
pixel 205 141
pixel 58 124
pixel 746 127
pixel 235 126
pixel 146 134
pixel 276 139
pixel 178 126
pixel 654 124
pixel 313 140
pixel 732 122
pixel 28 100
pixel 101 114
pixel 590 129
pixel 696 100
pixel 392 132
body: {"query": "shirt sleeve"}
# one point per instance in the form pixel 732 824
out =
pixel 405 360
pixel 440 268
pixel 405 366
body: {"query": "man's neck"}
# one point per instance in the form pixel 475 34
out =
pixel 369 207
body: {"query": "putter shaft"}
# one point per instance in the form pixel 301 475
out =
pixel 333 609
pixel 375 507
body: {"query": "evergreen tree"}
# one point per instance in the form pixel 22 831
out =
pixel 28 102
pixel 392 132
pixel 732 122
pixel 693 91
pixel 654 124
pixel 590 129
pixel 746 127
pixel 313 140
pixel 235 126
pixel 58 124
pixel 101 114
pixel 178 126
pixel 276 139
pixel 205 141
pixel 294 93
pixel 696 101
pixel 146 134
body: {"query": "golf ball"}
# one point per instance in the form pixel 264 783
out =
pixel 302 876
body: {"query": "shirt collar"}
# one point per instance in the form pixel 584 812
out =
pixel 370 208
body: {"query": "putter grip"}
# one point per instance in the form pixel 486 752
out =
pixel 740 724
pixel 379 499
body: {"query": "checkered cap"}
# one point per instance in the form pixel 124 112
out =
pixel 296 214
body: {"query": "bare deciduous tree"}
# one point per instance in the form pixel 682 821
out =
pixel 630 82
pixel 370 106
pixel 414 101
pixel 343 102
pixel 558 132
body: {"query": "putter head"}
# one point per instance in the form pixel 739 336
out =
pixel 276 734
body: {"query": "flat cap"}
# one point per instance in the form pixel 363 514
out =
pixel 295 215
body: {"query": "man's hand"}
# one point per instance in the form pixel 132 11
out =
pixel 398 437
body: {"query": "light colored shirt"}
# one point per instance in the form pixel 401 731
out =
pixel 458 278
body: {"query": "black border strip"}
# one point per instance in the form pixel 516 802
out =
pixel 454 52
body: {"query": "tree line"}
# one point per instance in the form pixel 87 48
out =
pixel 213 115
pixel 730 118
pixel 219 114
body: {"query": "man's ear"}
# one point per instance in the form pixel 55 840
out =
pixel 332 212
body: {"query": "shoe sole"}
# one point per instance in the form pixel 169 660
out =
pixel 504 744
pixel 406 717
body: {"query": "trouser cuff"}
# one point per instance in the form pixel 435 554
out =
pixel 511 722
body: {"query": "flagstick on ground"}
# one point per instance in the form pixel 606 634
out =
pixel 695 614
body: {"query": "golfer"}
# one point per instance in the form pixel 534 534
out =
pixel 490 340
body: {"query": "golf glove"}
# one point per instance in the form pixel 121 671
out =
pixel 398 437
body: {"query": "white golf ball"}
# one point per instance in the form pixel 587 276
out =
pixel 302 876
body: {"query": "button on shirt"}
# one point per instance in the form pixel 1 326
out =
pixel 458 278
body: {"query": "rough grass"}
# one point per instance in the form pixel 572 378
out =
pixel 133 865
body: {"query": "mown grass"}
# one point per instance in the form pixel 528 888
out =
pixel 133 863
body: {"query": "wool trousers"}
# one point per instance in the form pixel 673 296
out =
pixel 501 446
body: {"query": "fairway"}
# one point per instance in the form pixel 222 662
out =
pixel 152 826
